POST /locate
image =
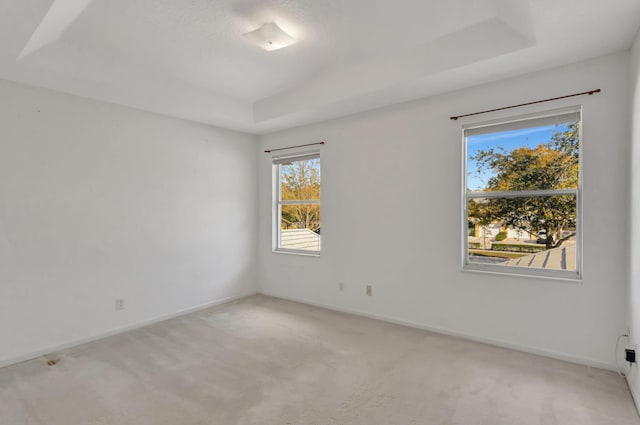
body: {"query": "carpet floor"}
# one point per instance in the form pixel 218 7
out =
pixel 267 361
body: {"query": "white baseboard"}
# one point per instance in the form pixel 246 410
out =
pixel 634 396
pixel 397 321
pixel 449 332
pixel 115 331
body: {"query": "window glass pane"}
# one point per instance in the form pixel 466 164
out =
pixel 532 232
pixel 300 180
pixel 534 158
pixel 300 227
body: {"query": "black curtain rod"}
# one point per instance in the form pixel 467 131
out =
pixel 292 147
pixel 590 92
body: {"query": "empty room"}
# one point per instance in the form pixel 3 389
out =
pixel 319 212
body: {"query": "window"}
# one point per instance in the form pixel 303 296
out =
pixel 297 203
pixel 522 196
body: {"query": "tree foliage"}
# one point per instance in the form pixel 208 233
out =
pixel 300 181
pixel 553 165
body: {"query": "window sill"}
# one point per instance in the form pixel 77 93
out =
pixel 300 253
pixel 566 276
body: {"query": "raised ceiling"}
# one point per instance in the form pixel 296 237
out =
pixel 188 58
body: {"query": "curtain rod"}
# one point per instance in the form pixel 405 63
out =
pixel 292 147
pixel 590 92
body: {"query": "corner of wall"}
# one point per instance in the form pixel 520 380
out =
pixel 633 291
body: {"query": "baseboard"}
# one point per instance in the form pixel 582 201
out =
pixel 449 332
pixel 634 396
pixel 389 319
pixel 115 331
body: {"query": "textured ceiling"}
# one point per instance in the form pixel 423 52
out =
pixel 187 58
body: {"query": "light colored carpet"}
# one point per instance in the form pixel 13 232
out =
pixel 267 361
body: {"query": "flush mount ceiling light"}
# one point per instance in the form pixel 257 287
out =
pixel 270 37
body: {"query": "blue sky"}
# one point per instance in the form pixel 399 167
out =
pixel 509 140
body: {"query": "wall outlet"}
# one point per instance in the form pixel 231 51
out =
pixel 630 355
pixel 369 291
pixel 341 286
pixel 119 304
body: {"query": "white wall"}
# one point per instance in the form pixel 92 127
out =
pixel 634 252
pixel 99 202
pixel 387 174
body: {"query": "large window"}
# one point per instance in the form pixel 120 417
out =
pixel 522 196
pixel 297 203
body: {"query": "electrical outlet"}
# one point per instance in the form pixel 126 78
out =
pixel 630 355
pixel 119 304
pixel 369 291
pixel 341 286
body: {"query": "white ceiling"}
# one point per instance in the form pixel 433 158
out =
pixel 188 58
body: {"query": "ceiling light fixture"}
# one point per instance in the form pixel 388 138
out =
pixel 270 37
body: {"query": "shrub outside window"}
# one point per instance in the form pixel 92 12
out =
pixel 521 203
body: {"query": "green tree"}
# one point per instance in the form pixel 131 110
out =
pixel 300 181
pixel 553 165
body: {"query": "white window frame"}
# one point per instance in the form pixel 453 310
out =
pixel 278 202
pixel 520 122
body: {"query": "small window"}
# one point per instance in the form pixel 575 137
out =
pixel 522 196
pixel 297 203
